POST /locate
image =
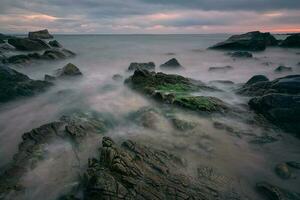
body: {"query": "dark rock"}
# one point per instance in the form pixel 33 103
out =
pixel 117 77
pixel 172 63
pixel 18 59
pixel 293 164
pixel 26 44
pixel 256 79
pixel 283 171
pixel 49 78
pixel 224 82
pixel 55 43
pixel 241 54
pixel 14 84
pixel 224 68
pixel 69 70
pixel 6 47
pixel 2 41
pixel 147 66
pixel 282 68
pixel 281 109
pixel 251 41
pixel 68 53
pixel 291 41
pixel 42 34
pixel 5 37
pixel 272 192
pixel 54 54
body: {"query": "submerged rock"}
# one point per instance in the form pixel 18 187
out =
pixel 42 34
pixel 14 84
pixel 241 54
pixel 256 79
pixel 172 63
pixel 225 68
pixel 25 44
pixel 283 171
pixel 55 43
pixel 282 68
pixel 147 66
pixel 69 70
pixel 272 192
pixel 252 41
pixel 291 41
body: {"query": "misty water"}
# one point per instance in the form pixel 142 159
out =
pixel 99 57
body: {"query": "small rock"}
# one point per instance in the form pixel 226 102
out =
pixel 283 171
pixel 146 66
pixel 69 70
pixel 117 77
pixel 282 68
pixel 172 63
pixel 42 34
pixel 225 68
pixel 256 79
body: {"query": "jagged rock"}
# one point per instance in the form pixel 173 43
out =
pixel 25 44
pixel 175 90
pixel 14 84
pixel 42 34
pixel 33 149
pixel 282 68
pixel 256 79
pixel 251 41
pixel 291 41
pixel 241 54
pixel 225 68
pixel 117 77
pixel 283 171
pixel 172 63
pixel 147 66
pixel 49 78
pixel 281 109
pixel 69 70
pixel 55 43
pixel 272 192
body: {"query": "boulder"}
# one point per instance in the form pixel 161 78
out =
pixel 172 63
pixel 147 66
pixel 17 59
pixel 282 170
pixel 272 192
pixel 251 41
pixel 291 41
pixel 283 68
pixel 69 70
pixel 256 79
pixel 54 54
pixel 25 44
pixel 224 68
pixel 241 54
pixel 55 43
pixel 14 84
pixel 41 34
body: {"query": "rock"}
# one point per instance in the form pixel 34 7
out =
pixel 69 70
pixel 147 117
pixel 14 84
pixel 224 82
pixel 6 37
pixel 117 77
pixel 33 148
pixel 54 54
pixel 182 125
pixel 283 171
pixel 147 66
pixel 251 41
pixel 25 44
pixel 17 59
pixel 293 164
pixel 281 109
pixel 2 41
pixel 49 78
pixel 256 79
pixel 241 54
pixel 282 68
pixel 135 171
pixel 291 41
pixel 272 192
pixel 55 43
pixel 42 34
pixel 175 90
pixel 172 63
pixel 6 47
pixel 225 68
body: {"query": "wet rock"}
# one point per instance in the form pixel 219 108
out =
pixel 14 84
pixel 17 59
pixel 283 171
pixel 225 68
pixel 6 47
pixel 117 77
pixel 272 192
pixel 293 164
pixel 69 70
pixel 41 34
pixel 256 79
pixel 49 78
pixel 241 54
pixel 25 44
pixel 55 43
pixel 172 63
pixel 282 68
pixel 54 54
pixel 291 41
pixel 251 41
pixel 147 66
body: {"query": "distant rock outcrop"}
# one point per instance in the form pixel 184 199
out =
pixel 42 34
pixel 171 64
pixel 251 41
pixel 283 68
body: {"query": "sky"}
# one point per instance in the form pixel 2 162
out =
pixel 149 16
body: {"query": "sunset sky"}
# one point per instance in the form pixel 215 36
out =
pixel 149 16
